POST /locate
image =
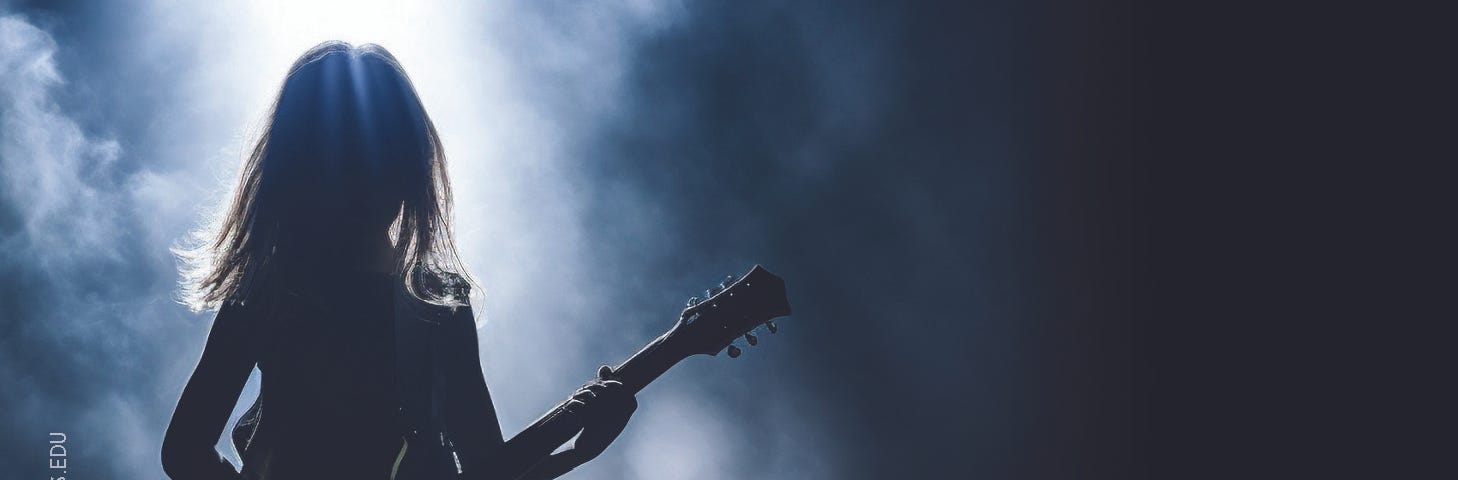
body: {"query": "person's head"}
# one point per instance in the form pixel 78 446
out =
pixel 348 160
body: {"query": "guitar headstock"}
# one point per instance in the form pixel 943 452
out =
pixel 729 311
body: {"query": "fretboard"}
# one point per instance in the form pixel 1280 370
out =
pixel 648 364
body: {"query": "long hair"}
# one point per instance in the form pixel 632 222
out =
pixel 346 120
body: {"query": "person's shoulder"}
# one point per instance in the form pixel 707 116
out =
pixel 436 279
pixel 247 319
pixel 456 283
pixel 438 296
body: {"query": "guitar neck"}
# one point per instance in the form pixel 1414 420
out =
pixel 648 364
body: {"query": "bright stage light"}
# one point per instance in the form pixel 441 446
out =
pixel 309 22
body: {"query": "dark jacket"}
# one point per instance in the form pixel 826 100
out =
pixel 359 380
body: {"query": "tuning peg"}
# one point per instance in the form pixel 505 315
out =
pixel 772 327
pixel 753 340
pixel 693 301
pixel 734 351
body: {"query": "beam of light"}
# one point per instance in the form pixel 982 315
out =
pixel 291 23
pixel 489 76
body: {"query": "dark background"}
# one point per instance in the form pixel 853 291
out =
pixel 972 253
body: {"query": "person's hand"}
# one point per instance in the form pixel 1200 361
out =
pixel 605 405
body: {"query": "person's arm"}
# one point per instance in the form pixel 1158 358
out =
pixel 189 450
pixel 528 455
pixel 604 405
pixel 483 450
pixel 470 412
